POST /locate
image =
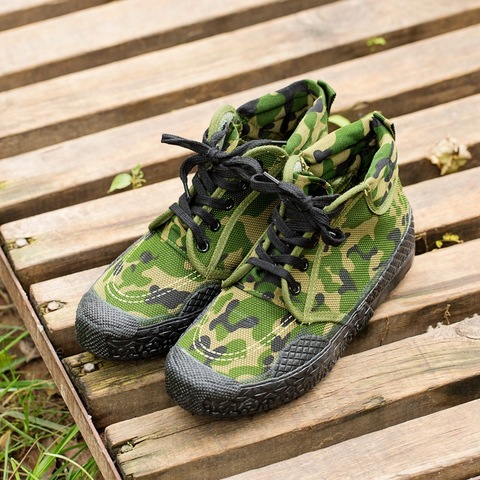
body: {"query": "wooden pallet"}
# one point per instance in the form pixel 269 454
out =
pixel 87 89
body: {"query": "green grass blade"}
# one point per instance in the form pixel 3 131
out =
pixel 47 460
pixel 6 457
pixel 69 460
pixel 50 426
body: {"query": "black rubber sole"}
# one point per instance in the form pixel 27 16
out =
pixel 114 334
pixel 148 342
pixel 227 398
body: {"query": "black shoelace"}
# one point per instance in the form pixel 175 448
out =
pixel 215 168
pixel 303 214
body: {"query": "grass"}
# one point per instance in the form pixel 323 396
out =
pixel 38 438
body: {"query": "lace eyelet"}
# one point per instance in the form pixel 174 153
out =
pixel 296 289
pixel 216 226
pixel 203 247
pixel 244 186
pixel 229 204
pixel 305 265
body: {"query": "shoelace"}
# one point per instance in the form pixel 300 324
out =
pixel 216 168
pixel 303 214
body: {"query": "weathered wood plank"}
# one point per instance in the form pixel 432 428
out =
pixel 110 218
pixel 442 445
pixel 443 205
pixel 85 40
pixel 418 133
pixel 63 382
pixel 66 292
pixel 63 241
pixel 116 391
pixel 441 286
pixel 52 177
pixel 14 13
pixel 56 110
pixel 364 393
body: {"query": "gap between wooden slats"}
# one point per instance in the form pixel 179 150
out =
pixel 82 169
pixel 59 109
pixel 365 392
pixel 14 13
pixel 120 30
pixel 94 233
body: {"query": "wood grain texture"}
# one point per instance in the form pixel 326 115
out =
pixel 442 445
pixel 66 291
pixel 419 132
pixel 134 27
pixel 53 177
pixel 14 13
pixel 63 241
pixel 364 393
pixel 111 217
pixel 57 110
pixel 60 377
pixel 441 286
pixel 116 391
pixel 446 204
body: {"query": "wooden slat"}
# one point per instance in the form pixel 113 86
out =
pixel 114 230
pixel 113 388
pixel 63 241
pixel 419 132
pixel 14 13
pixel 63 382
pixel 442 445
pixel 58 109
pixel 446 204
pixel 364 393
pixel 53 177
pixel 66 291
pixel 85 40
pixel 441 286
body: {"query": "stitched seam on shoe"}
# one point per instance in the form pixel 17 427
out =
pixel 139 298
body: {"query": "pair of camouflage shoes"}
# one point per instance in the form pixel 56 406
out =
pixel 271 261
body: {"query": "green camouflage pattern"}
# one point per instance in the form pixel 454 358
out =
pixel 246 327
pixel 155 277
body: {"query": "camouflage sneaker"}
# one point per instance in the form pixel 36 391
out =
pixel 154 290
pixel 340 241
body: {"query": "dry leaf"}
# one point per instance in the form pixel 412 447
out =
pixel 449 155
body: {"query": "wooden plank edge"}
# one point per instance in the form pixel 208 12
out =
pixel 161 161
pixel 89 120
pixel 391 385
pixel 58 373
pixel 187 32
pixel 16 17
pixel 109 389
pixel 445 444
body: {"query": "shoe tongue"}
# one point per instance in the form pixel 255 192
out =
pixel 296 171
pixel 228 121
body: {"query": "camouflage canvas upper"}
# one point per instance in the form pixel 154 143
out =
pixel 255 316
pixel 155 277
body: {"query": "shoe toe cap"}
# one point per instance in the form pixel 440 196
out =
pixel 97 321
pixel 195 386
